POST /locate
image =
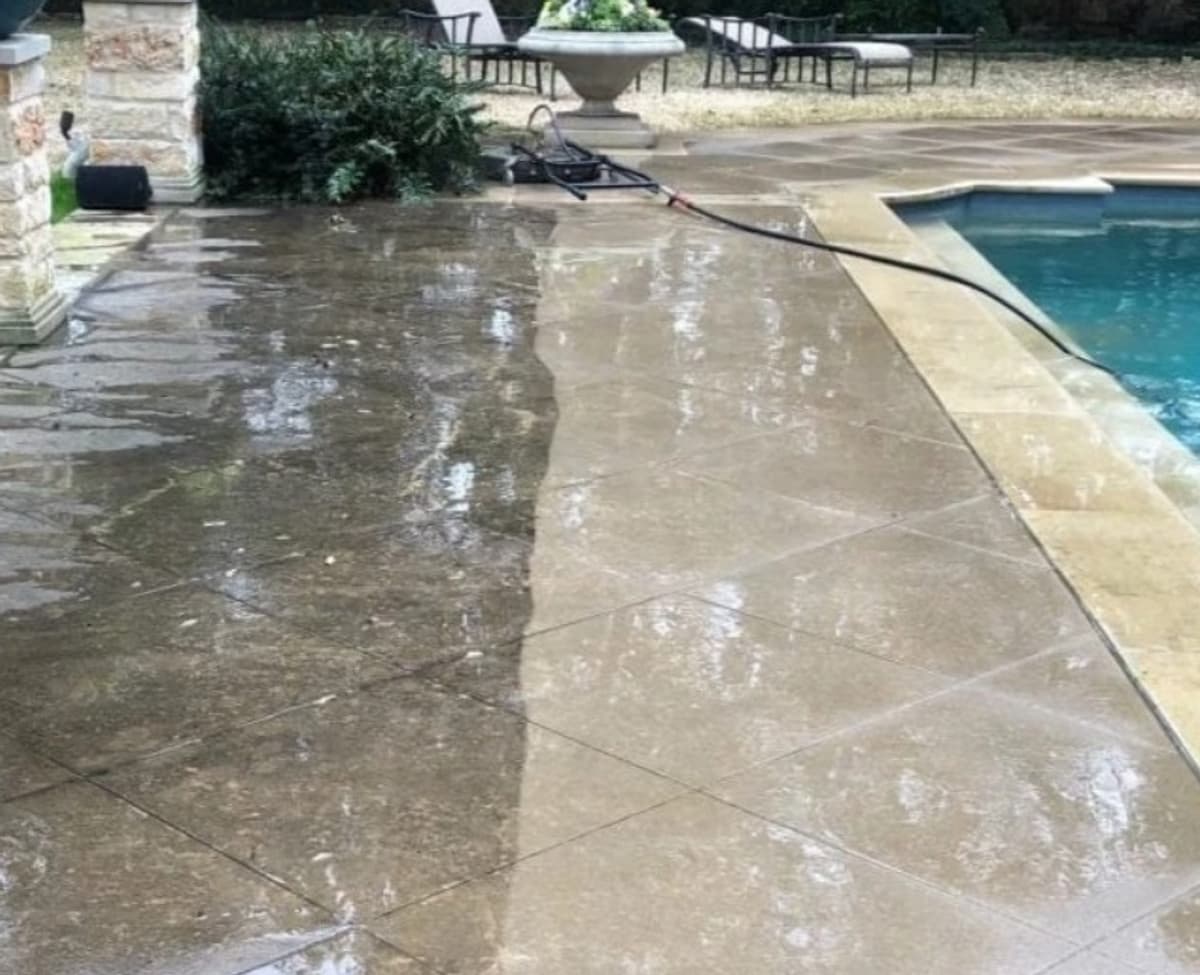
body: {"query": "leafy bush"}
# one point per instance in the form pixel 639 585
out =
pixel 925 15
pixel 601 15
pixel 882 15
pixel 331 116
pixel 967 15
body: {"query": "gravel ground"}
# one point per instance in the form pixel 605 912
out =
pixel 1049 88
pixel 1007 89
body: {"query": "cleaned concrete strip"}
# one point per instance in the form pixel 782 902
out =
pixel 1120 541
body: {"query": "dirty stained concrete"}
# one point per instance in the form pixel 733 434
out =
pixel 533 588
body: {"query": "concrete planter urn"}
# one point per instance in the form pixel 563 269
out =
pixel 600 65
pixel 15 14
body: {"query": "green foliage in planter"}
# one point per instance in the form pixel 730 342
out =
pixel 331 116
pixel 600 15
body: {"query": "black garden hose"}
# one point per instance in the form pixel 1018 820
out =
pixel 635 179
pixel 682 202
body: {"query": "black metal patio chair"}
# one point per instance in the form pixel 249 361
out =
pixel 471 32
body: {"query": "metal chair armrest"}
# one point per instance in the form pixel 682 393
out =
pixel 457 30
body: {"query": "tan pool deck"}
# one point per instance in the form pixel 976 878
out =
pixel 522 587
pixel 1101 484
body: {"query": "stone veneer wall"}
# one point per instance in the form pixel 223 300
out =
pixel 143 66
pixel 30 306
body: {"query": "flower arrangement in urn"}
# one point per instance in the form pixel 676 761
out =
pixel 605 15
pixel 600 46
pixel 15 14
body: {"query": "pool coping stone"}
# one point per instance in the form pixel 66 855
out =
pixel 1135 566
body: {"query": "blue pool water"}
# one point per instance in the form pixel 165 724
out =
pixel 1119 273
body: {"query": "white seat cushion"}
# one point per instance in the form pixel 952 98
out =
pixel 875 53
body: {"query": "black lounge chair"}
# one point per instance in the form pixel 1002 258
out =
pixel 935 44
pixel 470 30
pixel 759 49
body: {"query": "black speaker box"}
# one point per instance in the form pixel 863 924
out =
pixel 112 187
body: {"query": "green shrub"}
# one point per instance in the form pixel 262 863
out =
pixel 968 15
pixel 925 15
pixel 883 15
pixel 331 116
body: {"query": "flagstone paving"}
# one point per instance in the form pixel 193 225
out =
pixel 516 586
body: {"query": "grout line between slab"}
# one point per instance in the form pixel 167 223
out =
pixel 812 634
pixel 1165 902
pixel 818 411
pixel 183 831
pixel 722 572
pixel 969 684
pixel 509 864
pixel 981 549
pixel 896 871
pixel 258 966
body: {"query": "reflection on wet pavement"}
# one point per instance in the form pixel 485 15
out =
pixel 530 589
pixel 1065 828
pixel 697 886
pixel 246 481
pixel 92 884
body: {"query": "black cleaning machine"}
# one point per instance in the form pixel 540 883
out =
pixel 563 163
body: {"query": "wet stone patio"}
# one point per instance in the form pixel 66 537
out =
pixel 526 588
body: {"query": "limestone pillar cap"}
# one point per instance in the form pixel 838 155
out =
pixel 23 48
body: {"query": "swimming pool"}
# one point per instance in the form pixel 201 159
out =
pixel 1118 272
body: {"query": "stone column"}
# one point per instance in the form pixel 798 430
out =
pixel 30 305
pixel 143 65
